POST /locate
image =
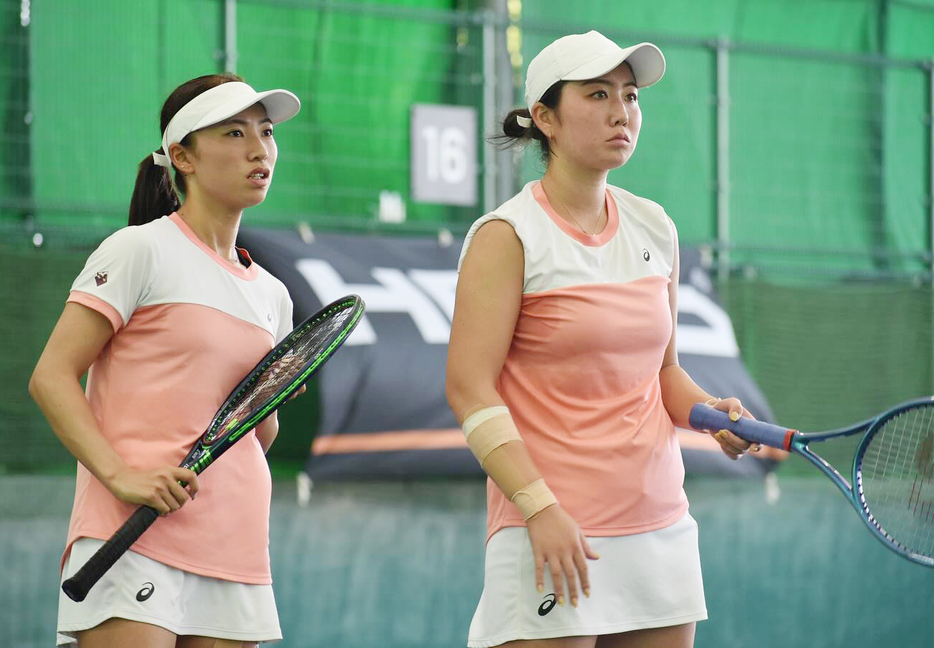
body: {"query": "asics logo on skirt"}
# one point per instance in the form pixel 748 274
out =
pixel 547 604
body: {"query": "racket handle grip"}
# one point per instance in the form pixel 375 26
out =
pixel 78 586
pixel 704 417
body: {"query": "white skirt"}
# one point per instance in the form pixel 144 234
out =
pixel 646 580
pixel 141 589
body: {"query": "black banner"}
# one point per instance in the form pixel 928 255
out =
pixel 383 410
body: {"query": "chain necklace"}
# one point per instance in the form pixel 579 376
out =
pixel 577 222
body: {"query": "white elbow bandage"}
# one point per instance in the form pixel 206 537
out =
pixel 533 498
pixel 488 429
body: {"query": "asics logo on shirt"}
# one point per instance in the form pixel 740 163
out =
pixel 146 592
pixel 547 604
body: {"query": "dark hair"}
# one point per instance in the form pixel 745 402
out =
pixel 514 134
pixel 154 196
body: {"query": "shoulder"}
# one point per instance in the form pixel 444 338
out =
pixel 271 281
pixel 643 205
pixel 135 236
pixel 134 244
pixel 496 256
pixel 648 212
pixel 504 224
pixel 495 239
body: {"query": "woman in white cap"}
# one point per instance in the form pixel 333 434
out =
pixel 166 318
pixel 563 371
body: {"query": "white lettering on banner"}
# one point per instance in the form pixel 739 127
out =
pixel 412 292
pixel 715 339
pixel 441 285
pixel 394 293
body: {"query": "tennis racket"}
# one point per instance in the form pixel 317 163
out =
pixel 893 469
pixel 277 377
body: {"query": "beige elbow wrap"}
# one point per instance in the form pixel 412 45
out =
pixel 488 429
pixel 534 498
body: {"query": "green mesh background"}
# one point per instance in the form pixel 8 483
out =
pixel 829 288
pixel 829 181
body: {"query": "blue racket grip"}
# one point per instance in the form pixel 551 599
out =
pixel 704 417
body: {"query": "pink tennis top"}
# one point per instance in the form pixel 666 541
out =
pixel 581 378
pixel 188 326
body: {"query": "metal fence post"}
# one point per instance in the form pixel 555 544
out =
pixel 230 36
pixel 931 201
pixel 723 158
pixel 489 109
pixel 931 166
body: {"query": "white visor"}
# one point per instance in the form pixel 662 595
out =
pixel 219 103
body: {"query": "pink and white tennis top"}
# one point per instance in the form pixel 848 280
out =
pixel 188 326
pixel 581 377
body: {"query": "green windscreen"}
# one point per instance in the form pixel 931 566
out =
pixel 791 142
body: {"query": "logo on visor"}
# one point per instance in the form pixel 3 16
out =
pixel 101 278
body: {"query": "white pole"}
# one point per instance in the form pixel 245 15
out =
pixel 931 166
pixel 723 158
pixel 489 111
pixel 230 36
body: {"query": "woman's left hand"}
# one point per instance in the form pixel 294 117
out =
pixel 733 446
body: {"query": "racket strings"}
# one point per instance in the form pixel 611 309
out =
pixel 897 478
pixel 309 345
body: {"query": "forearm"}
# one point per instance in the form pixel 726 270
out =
pixel 509 465
pixel 267 431
pixel 679 394
pixel 68 412
pixel 494 440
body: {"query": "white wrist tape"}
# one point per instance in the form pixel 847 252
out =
pixel 488 429
pixel 534 498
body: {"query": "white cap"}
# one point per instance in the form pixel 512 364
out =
pixel 219 103
pixel 579 57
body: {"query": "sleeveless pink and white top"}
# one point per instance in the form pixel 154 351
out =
pixel 581 377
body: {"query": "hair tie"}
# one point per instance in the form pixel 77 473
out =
pixel 525 122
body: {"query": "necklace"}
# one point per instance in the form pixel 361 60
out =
pixel 577 222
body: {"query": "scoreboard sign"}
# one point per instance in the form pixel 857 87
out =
pixel 444 154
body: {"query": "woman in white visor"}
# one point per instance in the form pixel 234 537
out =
pixel 563 371
pixel 166 318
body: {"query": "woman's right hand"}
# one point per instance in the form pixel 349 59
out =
pixel 158 488
pixel 558 542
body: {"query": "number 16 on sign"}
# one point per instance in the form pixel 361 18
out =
pixel 444 154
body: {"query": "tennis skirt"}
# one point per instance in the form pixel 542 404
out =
pixel 646 580
pixel 141 589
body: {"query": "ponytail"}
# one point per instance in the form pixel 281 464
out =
pixel 153 196
pixel 514 130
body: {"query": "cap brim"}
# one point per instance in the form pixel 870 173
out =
pixel 645 59
pixel 280 105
